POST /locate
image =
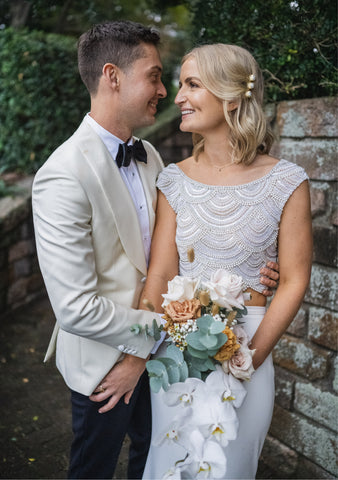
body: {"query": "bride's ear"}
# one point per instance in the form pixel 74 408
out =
pixel 232 106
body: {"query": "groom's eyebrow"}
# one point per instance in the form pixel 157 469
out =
pixel 156 69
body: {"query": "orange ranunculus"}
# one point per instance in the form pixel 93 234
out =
pixel 180 312
pixel 229 348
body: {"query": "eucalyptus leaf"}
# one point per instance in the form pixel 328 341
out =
pixel 155 330
pixel 216 327
pixel 172 369
pixel 222 338
pixel 184 371
pixel 209 365
pixel 175 353
pixel 137 328
pixel 155 384
pixel 209 341
pixel 193 339
pixel 199 364
pixel 197 353
pixel 194 373
pixel 155 367
pixel 204 322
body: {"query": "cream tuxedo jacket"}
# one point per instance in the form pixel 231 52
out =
pixel 91 256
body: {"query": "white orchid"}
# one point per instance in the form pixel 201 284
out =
pixel 176 431
pixel 205 460
pixel 218 421
pixel 180 289
pixel 173 473
pixel 183 393
pixel 226 387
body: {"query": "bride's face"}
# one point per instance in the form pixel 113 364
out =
pixel 202 112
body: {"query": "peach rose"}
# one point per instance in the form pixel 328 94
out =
pixel 180 312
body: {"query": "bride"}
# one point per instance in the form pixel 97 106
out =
pixel 238 208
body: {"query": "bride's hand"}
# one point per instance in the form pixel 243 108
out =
pixel 120 381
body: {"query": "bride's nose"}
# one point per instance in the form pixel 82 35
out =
pixel 180 98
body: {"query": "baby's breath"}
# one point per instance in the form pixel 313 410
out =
pixel 179 331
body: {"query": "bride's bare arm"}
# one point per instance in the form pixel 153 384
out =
pixel 163 264
pixel 295 256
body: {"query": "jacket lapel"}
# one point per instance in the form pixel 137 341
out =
pixel 118 198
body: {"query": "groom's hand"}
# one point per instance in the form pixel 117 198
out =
pixel 121 380
pixel 269 278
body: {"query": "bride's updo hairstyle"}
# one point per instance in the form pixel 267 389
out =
pixel 233 75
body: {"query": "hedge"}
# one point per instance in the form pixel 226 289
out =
pixel 295 42
pixel 42 97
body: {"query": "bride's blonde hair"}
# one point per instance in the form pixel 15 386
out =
pixel 226 70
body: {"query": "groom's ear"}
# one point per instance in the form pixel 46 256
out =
pixel 111 73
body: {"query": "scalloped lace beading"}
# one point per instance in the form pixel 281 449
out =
pixel 229 227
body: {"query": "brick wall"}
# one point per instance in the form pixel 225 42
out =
pixel 302 442
pixel 305 423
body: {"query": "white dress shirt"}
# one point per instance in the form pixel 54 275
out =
pixel 131 177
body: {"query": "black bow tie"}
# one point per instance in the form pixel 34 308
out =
pixel 126 153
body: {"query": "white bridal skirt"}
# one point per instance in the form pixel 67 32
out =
pixel 254 420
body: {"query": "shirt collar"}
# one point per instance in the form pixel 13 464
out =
pixel 111 142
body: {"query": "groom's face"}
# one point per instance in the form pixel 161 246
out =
pixel 141 88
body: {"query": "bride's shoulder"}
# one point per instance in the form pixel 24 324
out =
pixel 186 165
pixel 265 161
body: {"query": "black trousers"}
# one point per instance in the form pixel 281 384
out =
pixel 98 437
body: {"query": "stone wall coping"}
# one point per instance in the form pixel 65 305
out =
pixel 16 200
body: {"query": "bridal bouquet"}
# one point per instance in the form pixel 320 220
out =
pixel 206 359
pixel 203 331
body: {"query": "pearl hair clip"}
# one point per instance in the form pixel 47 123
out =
pixel 250 86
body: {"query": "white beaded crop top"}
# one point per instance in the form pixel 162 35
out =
pixel 230 227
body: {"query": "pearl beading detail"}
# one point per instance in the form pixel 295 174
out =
pixel 230 227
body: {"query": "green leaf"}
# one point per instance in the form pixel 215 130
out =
pixel 204 323
pixel 155 330
pixel 209 341
pixel 175 353
pixel 157 375
pixel 155 367
pixel 136 328
pixel 197 353
pixel 173 372
pixel 155 384
pixel 216 327
pixel 184 371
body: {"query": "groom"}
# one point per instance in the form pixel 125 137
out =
pixel 94 209
pixel 93 224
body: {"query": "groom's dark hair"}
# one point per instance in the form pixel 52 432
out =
pixel 111 42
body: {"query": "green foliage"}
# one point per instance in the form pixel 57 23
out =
pixel 165 371
pixel 294 42
pixel 153 331
pixel 41 95
pixel 196 361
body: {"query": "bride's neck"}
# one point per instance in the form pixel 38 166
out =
pixel 217 152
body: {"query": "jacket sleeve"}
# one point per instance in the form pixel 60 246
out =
pixel 62 223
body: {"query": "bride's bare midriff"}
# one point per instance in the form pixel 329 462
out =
pixel 257 299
